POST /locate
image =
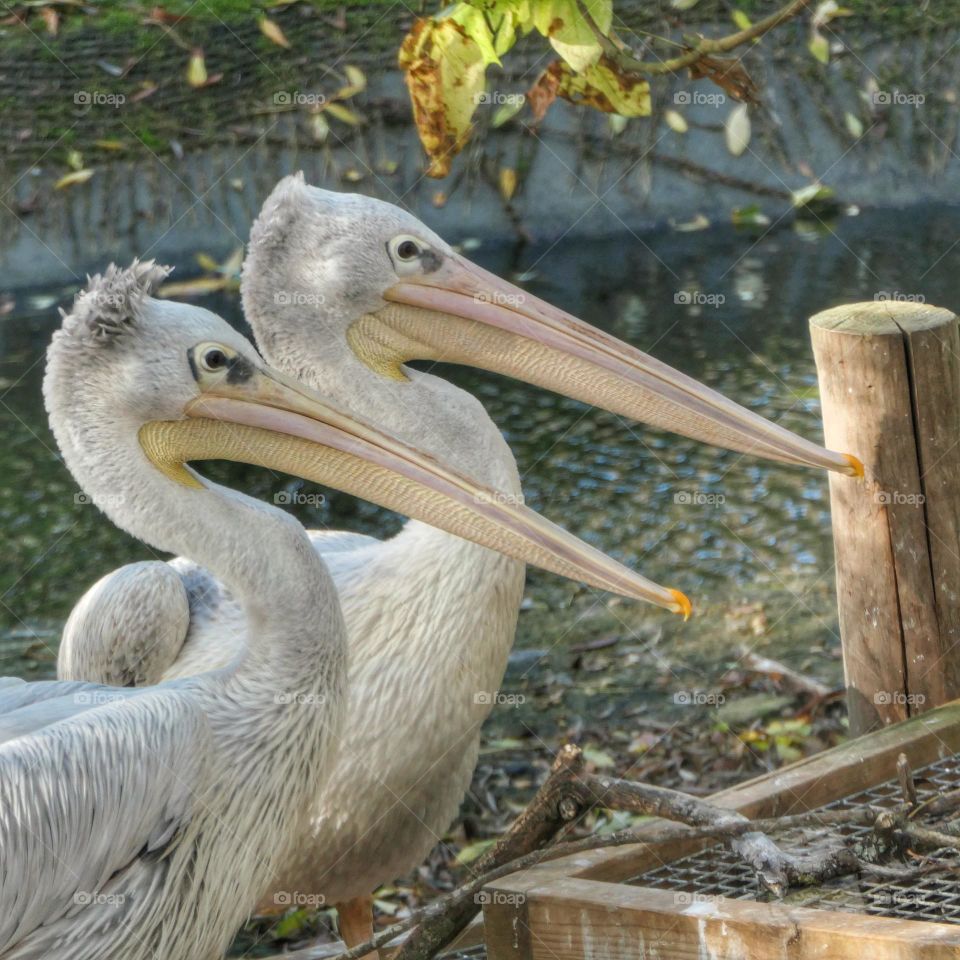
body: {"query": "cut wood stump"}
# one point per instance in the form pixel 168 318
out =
pixel 890 387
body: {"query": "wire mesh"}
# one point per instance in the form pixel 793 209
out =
pixel 718 872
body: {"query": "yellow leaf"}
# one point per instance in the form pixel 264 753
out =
pixel 508 182
pixel 741 19
pixel 110 144
pixel 71 179
pixel 356 77
pixel 271 30
pixel 444 72
pixel 342 113
pixel 602 87
pixel 197 69
pixel 675 121
pixel 353 175
pixel 74 160
pixel 195 288
pixel 563 23
pixel 439 199
pixel 854 126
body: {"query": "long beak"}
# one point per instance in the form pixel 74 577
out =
pixel 508 331
pixel 269 420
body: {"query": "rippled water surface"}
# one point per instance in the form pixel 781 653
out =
pixel 749 541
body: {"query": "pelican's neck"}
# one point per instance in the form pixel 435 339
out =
pixel 424 410
pixel 261 554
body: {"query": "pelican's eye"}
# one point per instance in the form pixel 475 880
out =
pixel 408 250
pixel 214 359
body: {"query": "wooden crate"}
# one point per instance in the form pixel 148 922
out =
pixel 580 907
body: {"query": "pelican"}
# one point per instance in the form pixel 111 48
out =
pixel 341 292
pixel 144 822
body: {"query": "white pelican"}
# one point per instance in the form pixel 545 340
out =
pixel 341 291
pixel 144 823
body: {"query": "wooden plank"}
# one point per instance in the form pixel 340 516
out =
pixel 585 918
pixel 886 376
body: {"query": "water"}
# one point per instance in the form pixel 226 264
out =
pixel 748 541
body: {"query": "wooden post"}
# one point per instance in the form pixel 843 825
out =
pixel 890 388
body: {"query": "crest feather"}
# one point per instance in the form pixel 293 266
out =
pixel 111 301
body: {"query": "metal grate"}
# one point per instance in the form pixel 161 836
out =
pixel 717 872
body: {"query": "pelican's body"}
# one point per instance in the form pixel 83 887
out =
pixel 341 291
pixel 144 823
pixel 128 828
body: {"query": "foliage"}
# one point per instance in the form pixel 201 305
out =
pixel 445 60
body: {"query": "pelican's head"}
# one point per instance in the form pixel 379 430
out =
pixel 373 277
pixel 139 384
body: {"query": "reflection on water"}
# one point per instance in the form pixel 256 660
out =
pixel 749 541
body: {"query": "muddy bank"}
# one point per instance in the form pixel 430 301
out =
pixel 186 170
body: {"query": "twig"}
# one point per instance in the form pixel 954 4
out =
pixel 702 48
pixel 905 775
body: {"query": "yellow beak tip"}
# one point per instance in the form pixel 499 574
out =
pixel 856 465
pixel 683 604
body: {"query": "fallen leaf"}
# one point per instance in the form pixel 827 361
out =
pixel 74 160
pixel 683 4
pixel 508 182
pixel 110 144
pixel 72 179
pixel 737 129
pixel 197 69
pixel 599 758
pixel 439 199
pixel 52 20
pixel 728 74
pixel 819 47
pixel 853 124
pixel 319 128
pixel 675 121
pixel 342 113
pixel 473 852
pixel 444 72
pixel 271 30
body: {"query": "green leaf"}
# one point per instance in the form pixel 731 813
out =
pixel 506 112
pixel 477 28
pixel 819 46
pixel 473 852
pixel 569 32
pixel 741 19
pixel 599 758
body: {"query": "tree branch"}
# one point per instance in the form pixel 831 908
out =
pixel 705 46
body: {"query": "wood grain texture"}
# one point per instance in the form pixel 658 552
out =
pixel 890 389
